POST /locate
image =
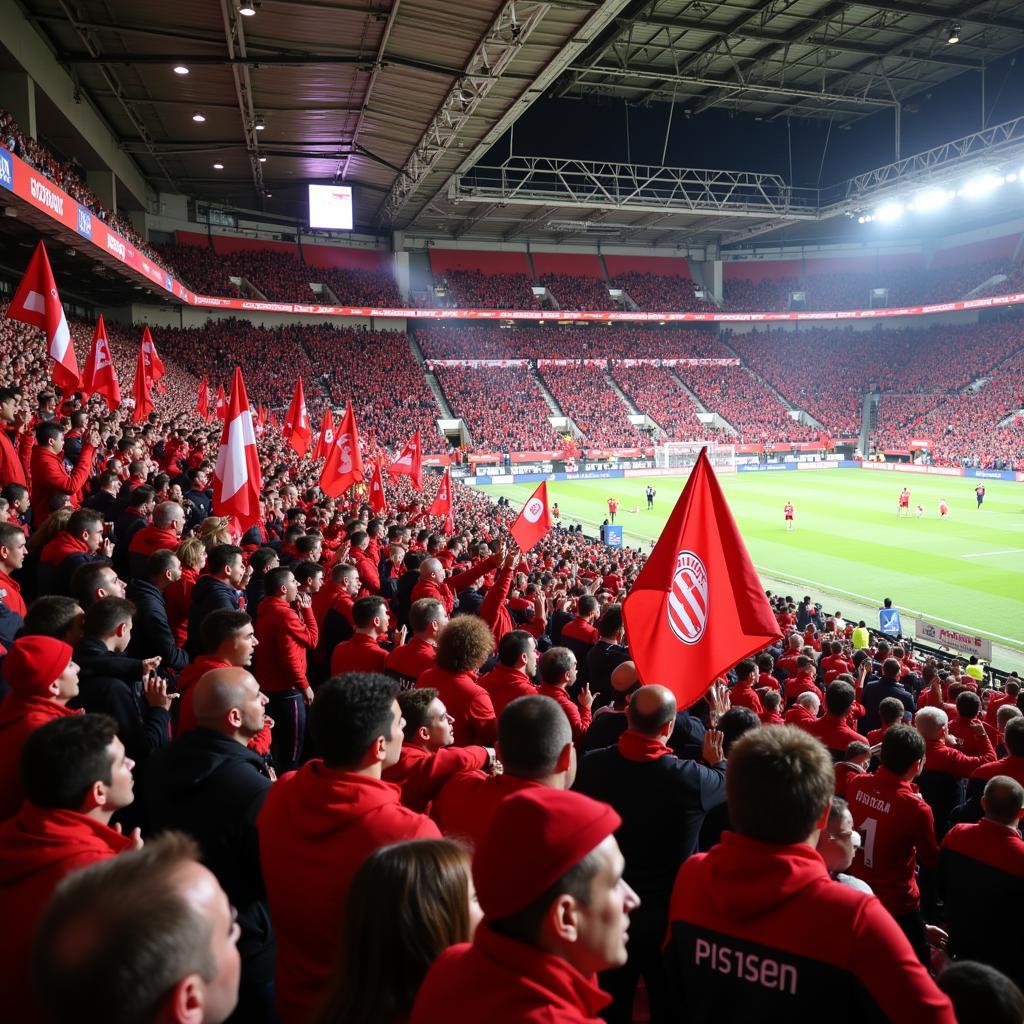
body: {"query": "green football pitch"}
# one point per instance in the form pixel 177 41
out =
pixel 966 571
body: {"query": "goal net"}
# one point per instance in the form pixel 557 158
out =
pixel 683 454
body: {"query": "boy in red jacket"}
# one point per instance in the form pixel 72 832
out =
pixel 557 673
pixel 285 631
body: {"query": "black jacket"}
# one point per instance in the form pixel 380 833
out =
pixel 111 684
pixel 208 595
pixel 662 804
pixel 602 659
pixel 151 631
pixel 126 526
pixel 606 728
pixel 212 788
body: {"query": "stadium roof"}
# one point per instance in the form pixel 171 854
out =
pixel 404 98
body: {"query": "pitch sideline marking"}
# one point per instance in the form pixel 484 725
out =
pixel 874 600
pixel 985 554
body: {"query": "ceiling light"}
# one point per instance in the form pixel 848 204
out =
pixel 198 117
pixel 889 212
pixel 218 167
pixel 180 69
pixel 259 124
pixel 954 34
pixel 263 159
pixel 247 9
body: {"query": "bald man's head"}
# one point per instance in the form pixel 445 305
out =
pixel 229 701
pixel 624 678
pixel 1003 800
pixel 431 569
pixel 652 710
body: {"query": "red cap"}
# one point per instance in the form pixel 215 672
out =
pixel 33 663
pixel 559 829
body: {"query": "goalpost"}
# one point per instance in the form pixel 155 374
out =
pixel 683 454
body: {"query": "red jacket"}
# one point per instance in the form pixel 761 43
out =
pixel 20 716
pixel 579 716
pixel 316 827
pixel 411 659
pixel 834 733
pixel 153 538
pixel 420 773
pixel 367 570
pixel 445 592
pixel 1009 765
pixel 494 611
pixel 762 932
pixel 38 848
pixel 801 682
pixel 12 469
pixel 943 758
pixel 190 675
pixel 10 594
pixel 359 654
pixel 743 695
pixel 280 659
pixel 846 770
pixel 501 981
pixel 49 476
pixel 899 830
pixel 465 807
pixel 178 599
pixel 580 629
pixel 504 684
pixel 467 702
pixel 799 716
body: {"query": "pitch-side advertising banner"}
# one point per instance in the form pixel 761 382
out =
pixel 954 640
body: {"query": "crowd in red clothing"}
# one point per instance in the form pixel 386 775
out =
pixel 662 292
pixel 586 397
pixel 497 421
pixel 475 289
pixel 355 286
pixel 200 268
pixel 577 291
pixel 656 392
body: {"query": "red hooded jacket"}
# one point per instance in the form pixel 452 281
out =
pixel 501 981
pixel 467 702
pixel 411 659
pixel 420 773
pixel 759 931
pixel 504 684
pixel 49 477
pixel 360 653
pixel 465 807
pixel 280 659
pixel 37 849
pixel 316 827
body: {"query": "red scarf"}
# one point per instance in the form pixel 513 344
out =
pixel 634 747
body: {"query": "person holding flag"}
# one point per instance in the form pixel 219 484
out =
pixel 37 303
pixel 410 462
pixel 218 408
pixel 155 370
pixel 442 503
pixel 237 481
pixel 203 399
pixel 376 499
pixel 534 521
pixel 326 438
pixel 297 432
pixel 140 388
pixel 343 466
pixel 100 375
pixel 697 607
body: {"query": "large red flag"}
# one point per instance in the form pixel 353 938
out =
pixel 534 521
pixel 377 500
pixel 154 364
pixel 36 302
pixel 442 503
pixel 203 399
pixel 697 606
pixel 140 390
pixel 410 462
pixel 220 406
pixel 237 482
pixel 100 375
pixel 297 431
pixel 326 438
pixel 343 466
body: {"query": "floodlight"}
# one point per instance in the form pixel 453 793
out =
pixel 954 34
pixel 981 186
pixel 930 199
pixel 889 212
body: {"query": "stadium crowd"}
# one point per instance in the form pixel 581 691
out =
pixel 289 775
pixel 577 291
pixel 654 390
pixel 586 396
pixel 475 289
pixel 662 292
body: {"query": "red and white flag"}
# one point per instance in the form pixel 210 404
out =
pixel 377 500
pixel 140 389
pixel 326 438
pixel 203 399
pixel 261 421
pixel 220 406
pixel 154 364
pixel 534 521
pixel 236 480
pixel 697 606
pixel 100 375
pixel 343 466
pixel 410 462
pixel 442 503
pixel 36 302
pixel 297 431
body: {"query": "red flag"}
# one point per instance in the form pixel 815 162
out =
pixel 442 503
pixel 297 431
pixel 100 375
pixel 219 406
pixel 697 606
pixel 410 462
pixel 534 521
pixel 343 466
pixel 261 421
pixel 203 399
pixel 154 364
pixel 272 420
pixel 326 438
pixel 140 390
pixel 36 302
pixel 237 482
pixel 377 501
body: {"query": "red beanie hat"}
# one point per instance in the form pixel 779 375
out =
pixel 558 827
pixel 33 663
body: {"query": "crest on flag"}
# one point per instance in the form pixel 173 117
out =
pixel 687 606
pixel 533 510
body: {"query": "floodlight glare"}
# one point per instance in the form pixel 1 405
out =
pixel 929 200
pixel 981 186
pixel 889 212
